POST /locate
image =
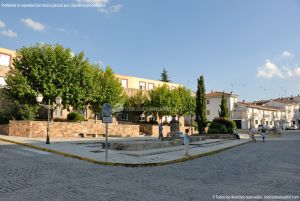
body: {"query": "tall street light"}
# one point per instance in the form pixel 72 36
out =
pixel 58 101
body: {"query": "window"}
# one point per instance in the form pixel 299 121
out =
pixel 150 86
pixel 142 86
pixel 207 102
pixel 256 121
pixel 271 122
pixel 124 83
pixel 2 81
pixel 124 117
pixel 208 112
pixel 5 59
pixel 267 123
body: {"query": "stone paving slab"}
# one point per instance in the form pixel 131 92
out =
pixel 90 149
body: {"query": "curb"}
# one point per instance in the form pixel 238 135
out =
pixel 124 164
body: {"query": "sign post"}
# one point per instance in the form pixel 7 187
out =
pixel 106 118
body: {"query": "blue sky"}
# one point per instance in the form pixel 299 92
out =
pixel 250 47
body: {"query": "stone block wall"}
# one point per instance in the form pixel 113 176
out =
pixel 69 129
pixel 152 130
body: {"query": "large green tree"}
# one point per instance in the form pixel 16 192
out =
pixel 106 89
pixel 178 101
pixel 186 103
pixel 201 118
pixel 165 76
pixel 136 104
pixel 53 70
pixel 160 101
pixel 223 107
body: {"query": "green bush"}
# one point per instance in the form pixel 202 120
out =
pixel 4 118
pixel 25 112
pixel 221 126
pixel 74 116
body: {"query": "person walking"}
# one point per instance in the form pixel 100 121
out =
pixel 186 142
pixel 263 133
pixel 251 135
pixel 160 131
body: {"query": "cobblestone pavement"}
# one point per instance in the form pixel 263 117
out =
pixel 271 168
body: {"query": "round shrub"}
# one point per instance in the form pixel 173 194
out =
pixel 74 116
pixel 221 126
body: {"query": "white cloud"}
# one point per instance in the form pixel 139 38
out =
pixel 287 55
pixel 294 72
pixel 269 70
pixel 111 9
pixel 2 24
pixel 9 33
pixel 37 26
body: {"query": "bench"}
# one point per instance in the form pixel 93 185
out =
pixel 95 135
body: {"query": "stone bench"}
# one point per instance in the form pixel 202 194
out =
pixel 95 135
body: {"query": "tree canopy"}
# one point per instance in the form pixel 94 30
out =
pixel 165 76
pixel 165 101
pixel 223 112
pixel 53 70
pixel 201 118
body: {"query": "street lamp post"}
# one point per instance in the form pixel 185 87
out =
pixel 58 101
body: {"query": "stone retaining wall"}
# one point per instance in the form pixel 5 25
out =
pixel 68 129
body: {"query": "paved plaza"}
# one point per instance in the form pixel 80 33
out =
pixel 91 149
pixel 271 168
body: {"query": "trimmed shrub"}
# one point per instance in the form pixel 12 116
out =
pixel 221 126
pixel 74 116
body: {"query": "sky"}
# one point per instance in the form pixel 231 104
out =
pixel 249 47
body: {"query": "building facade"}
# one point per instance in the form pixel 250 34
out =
pixel 250 115
pixel 213 102
pixel 133 84
pixel 6 57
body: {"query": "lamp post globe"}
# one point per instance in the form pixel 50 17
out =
pixel 39 98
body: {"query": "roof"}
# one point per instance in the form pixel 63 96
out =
pixel 286 100
pixel 145 79
pixel 218 94
pixel 261 107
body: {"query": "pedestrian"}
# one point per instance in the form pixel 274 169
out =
pixel 160 131
pixel 251 135
pixel 263 133
pixel 186 142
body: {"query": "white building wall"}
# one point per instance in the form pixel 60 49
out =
pixel 213 107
